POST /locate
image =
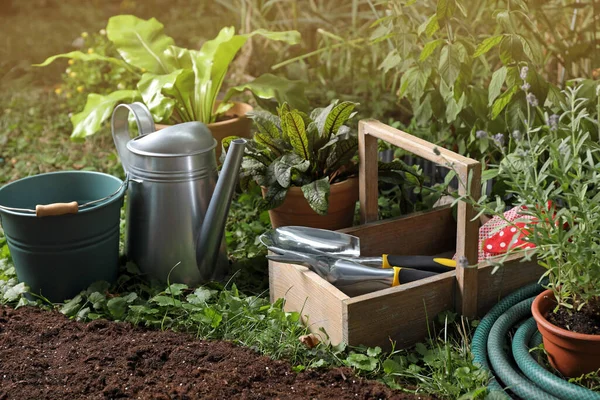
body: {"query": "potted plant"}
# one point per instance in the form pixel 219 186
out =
pixel 303 164
pixel 178 84
pixel 551 172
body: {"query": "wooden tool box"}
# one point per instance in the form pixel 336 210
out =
pixel 401 313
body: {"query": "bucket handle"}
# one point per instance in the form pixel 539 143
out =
pixel 55 209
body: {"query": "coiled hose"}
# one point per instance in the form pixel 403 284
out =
pixel 529 380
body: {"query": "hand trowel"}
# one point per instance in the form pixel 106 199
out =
pixel 344 246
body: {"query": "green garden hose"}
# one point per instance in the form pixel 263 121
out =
pixel 479 342
pixel 530 380
pixel 500 361
pixel 551 383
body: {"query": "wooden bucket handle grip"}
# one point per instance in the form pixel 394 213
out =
pixel 47 210
pixel 469 176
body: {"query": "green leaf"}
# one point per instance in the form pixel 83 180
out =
pixel 429 48
pixel 275 196
pixel 142 43
pixel 296 133
pixel 71 307
pixel 80 56
pixel 117 307
pixel 200 296
pixel 374 351
pixel 165 301
pixel 432 26
pixel 503 101
pixel 487 45
pixel 284 166
pixel 445 8
pixel 392 60
pixel 269 86
pixel 391 366
pixel 14 292
pixel 317 195
pixel 337 117
pixel 361 362
pixel 98 109
pixel 151 87
pixel 449 66
pixel 176 289
pixel 341 153
pixel 212 62
pixel 511 49
pixel 413 82
pixel 213 317
pixel 498 78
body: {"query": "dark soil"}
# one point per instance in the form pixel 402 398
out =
pixel 580 322
pixel 43 355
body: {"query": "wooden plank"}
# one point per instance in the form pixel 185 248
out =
pixel 422 233
pixel 467 241
pixel 514 274
pixel 415 145
pixel 400 313
pixel 367 175
pixel 319 302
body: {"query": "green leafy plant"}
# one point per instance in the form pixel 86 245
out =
pixel 295 149
pixel 552 177
pixel 458 64
pixel 177 84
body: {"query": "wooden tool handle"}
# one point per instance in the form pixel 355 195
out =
pixel 47 210
pixel 469 176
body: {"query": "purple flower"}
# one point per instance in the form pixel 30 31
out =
pixel 524 72
pixel 553 122
pixel 481 134
pixel 499 139
pixel 532 100
pixel 525 87
pixel 516 135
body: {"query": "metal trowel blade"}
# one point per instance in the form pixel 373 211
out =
pixel 312 240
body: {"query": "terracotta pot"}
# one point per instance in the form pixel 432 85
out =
pixel 238 126
pixel 571 353
pixel 296 211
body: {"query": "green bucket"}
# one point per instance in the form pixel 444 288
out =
pixel 60 255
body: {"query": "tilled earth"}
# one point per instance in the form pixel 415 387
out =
pixel 43 355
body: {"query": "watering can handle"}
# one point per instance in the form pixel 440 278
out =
pixel 120 127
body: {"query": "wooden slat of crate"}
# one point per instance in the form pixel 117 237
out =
pixel 306 292
pixel 514 274
pixel 400 314
pixel 426 233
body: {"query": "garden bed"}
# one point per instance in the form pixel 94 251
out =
pixel 46 356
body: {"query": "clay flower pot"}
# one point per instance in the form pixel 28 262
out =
pixel 296 211
pixel 238 125
pixel 571 353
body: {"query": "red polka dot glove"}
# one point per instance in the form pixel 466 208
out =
pixel 496 236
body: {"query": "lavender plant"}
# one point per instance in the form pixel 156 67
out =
pixel 553 175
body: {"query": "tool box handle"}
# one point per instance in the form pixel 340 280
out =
pixel 469 177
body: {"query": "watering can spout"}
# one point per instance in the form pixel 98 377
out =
pixel 213 227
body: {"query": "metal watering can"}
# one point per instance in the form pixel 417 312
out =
pixel 176 207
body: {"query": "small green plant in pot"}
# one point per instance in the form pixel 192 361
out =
pixel 178 84
pixel 552 175
pixel 304 166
